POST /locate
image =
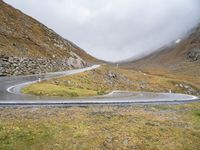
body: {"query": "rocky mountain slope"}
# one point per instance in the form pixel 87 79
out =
pixel 27 46
pixel 180 59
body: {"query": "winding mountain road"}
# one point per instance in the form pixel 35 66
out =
pixel 10 94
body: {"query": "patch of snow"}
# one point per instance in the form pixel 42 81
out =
pixel 178 41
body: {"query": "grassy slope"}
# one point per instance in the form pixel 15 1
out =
pixel 23 36
pixel 173 61
pixel 105 127
pixel 98 81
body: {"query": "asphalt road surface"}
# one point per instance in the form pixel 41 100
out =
pixel 10 94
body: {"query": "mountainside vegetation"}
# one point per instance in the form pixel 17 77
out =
pixel 25 43
pixel 180 61
pixel 21 35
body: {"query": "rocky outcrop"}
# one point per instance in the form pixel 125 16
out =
pixel 194 54
pixel 25 66
pixel 188 89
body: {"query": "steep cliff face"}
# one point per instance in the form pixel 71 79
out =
pixel 25 38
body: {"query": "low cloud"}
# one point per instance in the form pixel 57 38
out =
pixel 115 29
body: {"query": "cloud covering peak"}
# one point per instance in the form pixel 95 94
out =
pixel 115 29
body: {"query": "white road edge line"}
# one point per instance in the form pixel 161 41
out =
pixel 9 89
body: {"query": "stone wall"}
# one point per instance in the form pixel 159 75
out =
pixel 24 66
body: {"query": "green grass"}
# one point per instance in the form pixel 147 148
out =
pixel 48 89
pixel 149 127
pixel 197 113
pixel 22 137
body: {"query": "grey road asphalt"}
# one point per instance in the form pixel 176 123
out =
pixel 10 94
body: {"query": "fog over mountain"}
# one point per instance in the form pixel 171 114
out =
pixel 115 29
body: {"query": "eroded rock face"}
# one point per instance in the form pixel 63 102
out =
pixel 194 54
pixel 75 61
pixel 24 66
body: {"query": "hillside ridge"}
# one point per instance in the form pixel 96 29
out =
pixel 182 58
pixel 24 38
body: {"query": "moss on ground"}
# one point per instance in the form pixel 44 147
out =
pixel 160 127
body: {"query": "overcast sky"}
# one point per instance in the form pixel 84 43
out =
pixel 115 29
